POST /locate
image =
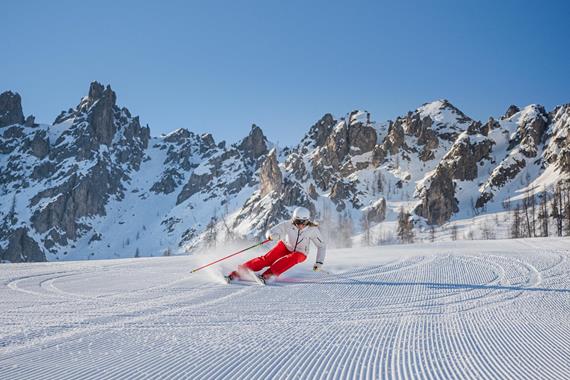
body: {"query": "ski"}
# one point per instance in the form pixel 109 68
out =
pixel 250 275
pixel 246 275
pixel 259 279
pixel 244 282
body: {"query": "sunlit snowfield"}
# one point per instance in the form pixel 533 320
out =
pixel 469 309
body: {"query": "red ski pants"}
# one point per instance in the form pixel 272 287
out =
pixel 279 259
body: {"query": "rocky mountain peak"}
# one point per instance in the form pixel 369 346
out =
pixel 97 94
pixel 352 134
pixel 207 142
pixel 255 144
pixel 510 111
pixel 318 133
pixel 359 117
pixel 438 104
pixel 443 111
pixel 96 90
pixel 101 116
pixel 10 109
pixel 446 104
pixel 92 176
pixel 178 136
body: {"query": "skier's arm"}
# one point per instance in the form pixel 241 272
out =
pixel 276 232
pixel 321 248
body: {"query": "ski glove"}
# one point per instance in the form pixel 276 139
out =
pixel 268 235
pixel 317 266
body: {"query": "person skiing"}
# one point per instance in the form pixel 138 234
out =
pixel 292 248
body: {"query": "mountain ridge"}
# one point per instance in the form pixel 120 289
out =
pixel 97 184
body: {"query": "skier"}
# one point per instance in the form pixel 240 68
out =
pixel 295 236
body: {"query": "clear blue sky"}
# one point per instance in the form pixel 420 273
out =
pixel 218 66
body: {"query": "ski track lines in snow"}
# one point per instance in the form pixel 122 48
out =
pixel 450 311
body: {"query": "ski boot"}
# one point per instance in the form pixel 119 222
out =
pixel 231 277
pixel 261 279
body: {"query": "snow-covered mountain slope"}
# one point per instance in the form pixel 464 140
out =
pixel 461 310
pixel 497 161
pixel 354 171
pixel 95 184
pixel 55 178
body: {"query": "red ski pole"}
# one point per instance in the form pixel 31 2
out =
pixel 228 256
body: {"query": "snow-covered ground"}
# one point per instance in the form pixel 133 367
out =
pixel 453 310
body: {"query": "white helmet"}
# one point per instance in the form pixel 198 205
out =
pixel 301 214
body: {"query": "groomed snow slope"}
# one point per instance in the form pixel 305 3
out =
pixel 461 310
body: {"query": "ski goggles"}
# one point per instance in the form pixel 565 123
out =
pixel 300 222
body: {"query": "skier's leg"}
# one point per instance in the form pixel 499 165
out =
pixel 266 260
pixel 269 258
pixel 284 263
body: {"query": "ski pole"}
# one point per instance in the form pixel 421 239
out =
pixel 228 256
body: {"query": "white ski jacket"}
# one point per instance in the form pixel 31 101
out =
pixel 299 240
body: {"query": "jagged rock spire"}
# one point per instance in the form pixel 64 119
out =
pixel 321 130
pixel 101 116
pixel 96 90
pixel 255 144
pixel 510 111
pixel 270 176
pixel 10 109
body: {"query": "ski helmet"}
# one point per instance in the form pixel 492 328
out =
pixel 301 214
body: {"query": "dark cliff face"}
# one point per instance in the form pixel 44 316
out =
pixel 101 115
pixel 510 112
pixel 438 201
pixel 558 151
pixel 10 109
pixel 255 144
pixel 270 176
pixel 22 248
pixel 318 133
pixel 438 196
